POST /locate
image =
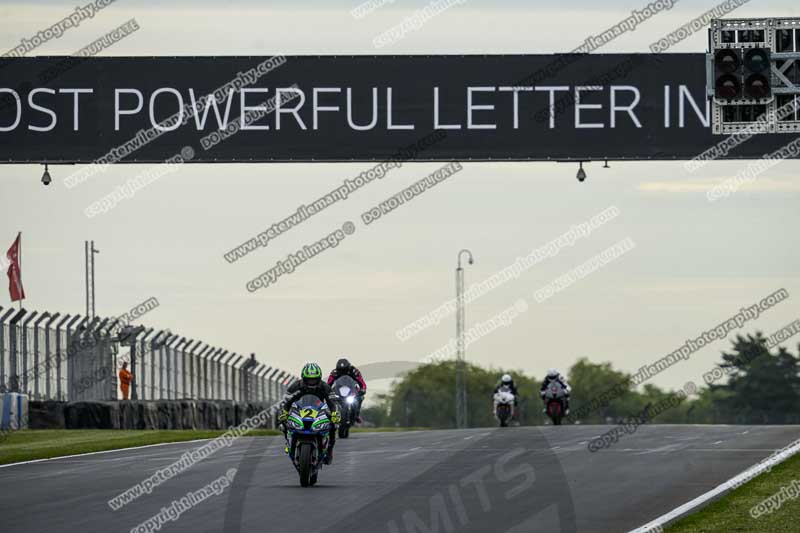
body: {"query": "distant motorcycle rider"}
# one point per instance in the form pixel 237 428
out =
pixel 554 375
pixel 345 368
pixel 311 383
pixel 507 383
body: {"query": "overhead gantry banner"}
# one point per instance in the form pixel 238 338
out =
pixel 360 108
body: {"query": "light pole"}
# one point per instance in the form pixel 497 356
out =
pixel 461 386
pixel 89 252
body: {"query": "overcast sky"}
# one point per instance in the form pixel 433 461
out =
pixel 694 265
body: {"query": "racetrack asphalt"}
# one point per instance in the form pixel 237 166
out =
pixel 491 479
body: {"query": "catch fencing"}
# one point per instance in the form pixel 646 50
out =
pixel 51 356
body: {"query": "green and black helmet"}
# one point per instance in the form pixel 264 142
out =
pixel 311 374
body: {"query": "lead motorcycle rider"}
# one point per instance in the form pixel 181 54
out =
pixel 311 383
pixel 554 375
pixel 345 368
pixel 507 382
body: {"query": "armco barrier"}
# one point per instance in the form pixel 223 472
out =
pixel 157 414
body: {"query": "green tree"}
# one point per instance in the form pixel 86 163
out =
pixel 590 380
pixel 425 397
pixel 762 388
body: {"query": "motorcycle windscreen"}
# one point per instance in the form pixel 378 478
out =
pixel 345 381
pixel 309 401
pixel 555 390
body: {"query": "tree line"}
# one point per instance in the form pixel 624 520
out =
pixel 751 384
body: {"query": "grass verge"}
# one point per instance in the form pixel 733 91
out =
pixel 732 512
pixel 27 445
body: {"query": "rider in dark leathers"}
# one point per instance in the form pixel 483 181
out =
pixel 345 368
pixel 554 375
pixel 311 383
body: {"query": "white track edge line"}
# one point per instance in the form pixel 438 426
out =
pixel 719 490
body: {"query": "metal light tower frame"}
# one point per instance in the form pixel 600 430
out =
pixel 461 386
pixel 89 253
pixel 781 107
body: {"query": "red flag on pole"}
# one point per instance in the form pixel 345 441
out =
pixel 14 272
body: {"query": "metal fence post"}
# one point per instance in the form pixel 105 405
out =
pixel 207 388
pixel 199 363
pixel 194 357
pixel 165 351
pixel 141 378
pixel 25 352
pixel 228 371
pixel 218 365
pixel 90 360
pixel 265 384
pixel 13 350
pixel 172 348
pixel 212 373
pixel 3 320
pixel 215 373
pixel 74 359
pixel 273 386
pixel 109 353
pixel 218 373
pixel 236 384
pixel 208 373
pixel 176 368
pixel 59 351
pixel 36 369
pixel 254 392
pixel 247 380
pixel 166 366
pixel 278 381
pixel 257 380
pixel 154 346
pixel 265 395
pixel 281 379
pixel 80 357
pixel 209 378
pixel 180 363
pixel 48 359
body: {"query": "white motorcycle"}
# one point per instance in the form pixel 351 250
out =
pixel 503 406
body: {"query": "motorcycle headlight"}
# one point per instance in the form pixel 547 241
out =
pixel 350 399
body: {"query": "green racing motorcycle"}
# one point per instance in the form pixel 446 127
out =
pixel 307 432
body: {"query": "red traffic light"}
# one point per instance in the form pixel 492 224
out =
pixel 757 86
pixel 728 87
pixel 727 61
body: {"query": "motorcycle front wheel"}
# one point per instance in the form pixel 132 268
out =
pixel 305 464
